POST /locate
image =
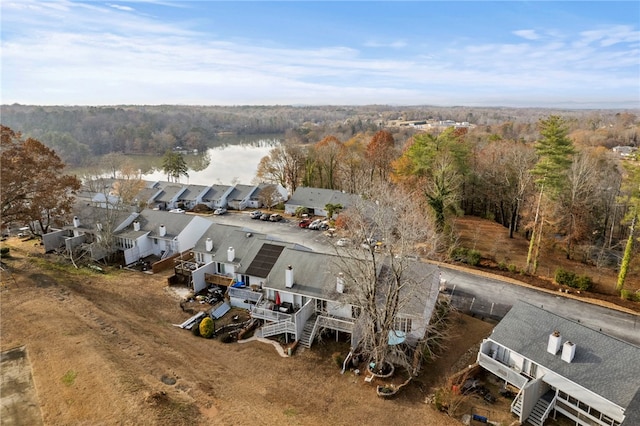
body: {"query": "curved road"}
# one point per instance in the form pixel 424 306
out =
pixel 470 292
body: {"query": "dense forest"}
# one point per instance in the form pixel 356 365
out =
pixel 79 134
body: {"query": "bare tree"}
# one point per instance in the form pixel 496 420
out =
pixel 380 270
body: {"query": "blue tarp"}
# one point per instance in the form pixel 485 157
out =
pixel 238 284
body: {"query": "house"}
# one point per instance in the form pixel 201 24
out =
pixel 216 196
pixel 295 291
pixel 167 197
pixel 239 198
pixel 89 225
pixel 562 368
pixel 624 151
pixel 315 200
pixel 267 195
pixel 191 196
pixel 159 233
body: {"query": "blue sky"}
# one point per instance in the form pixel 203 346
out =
pixel 508 53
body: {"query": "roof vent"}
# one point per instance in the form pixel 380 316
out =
pixel 249 234
pixel 568 351
pixel 555 341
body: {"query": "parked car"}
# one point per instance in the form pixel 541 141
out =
pixel 342 242
pixel 315 224
pixel 255 214
pixel 265 216
pixel 220 210
pixel 305 223
pixel 275 217
pixel 324 225
pixel 176 211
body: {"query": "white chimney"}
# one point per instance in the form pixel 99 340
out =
pixel 76 222
pixel 162 231
pixel 208 245
pixel 231 254
pixel 555 341
pixel 136 225
pixel 340 283
pixel 288 277
pixel 568 351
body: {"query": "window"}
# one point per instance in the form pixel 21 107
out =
pixel 155 241
pixel 403 324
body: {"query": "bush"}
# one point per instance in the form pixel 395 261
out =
pixel 502 265
pixel 464 255
pixel 512 268
pixel 571 279
pixel 337 358
pixel 5 252
pixel 473 257
pixel 196 329
pixel 206 328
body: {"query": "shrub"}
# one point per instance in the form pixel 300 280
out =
pixel 196 329
pixel 464 255
pixel 5 252
pixel 337 358
pixel 583 282
pixel 571 279
pixel 473 257
pixel 502 265
pixel 512 268
pixel 206 328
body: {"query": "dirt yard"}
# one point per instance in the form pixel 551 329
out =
pixel 103 349
pixel 493 242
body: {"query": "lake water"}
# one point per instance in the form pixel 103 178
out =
pixel 228 164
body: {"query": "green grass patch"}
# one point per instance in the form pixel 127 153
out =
pixel 69 377
pixel 290 412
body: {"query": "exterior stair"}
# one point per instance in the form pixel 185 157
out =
pixel 516 408
pixel 306 339
pixel 536 416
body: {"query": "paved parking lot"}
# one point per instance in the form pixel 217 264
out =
pixel 285 230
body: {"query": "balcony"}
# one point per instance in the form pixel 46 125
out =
pixel 218 279
pixel 511 375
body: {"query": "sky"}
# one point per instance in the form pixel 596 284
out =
pixel 445 53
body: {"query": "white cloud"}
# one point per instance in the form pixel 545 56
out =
pixel 120 7
pixel 105 55
pixel 398 44
pixel 527 34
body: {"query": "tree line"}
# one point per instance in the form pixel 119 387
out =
pixel 558 189
pixel 81 134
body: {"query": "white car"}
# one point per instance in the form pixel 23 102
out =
pixel 315 224
pixel 220 210
pixel 176 211
pixel 342 242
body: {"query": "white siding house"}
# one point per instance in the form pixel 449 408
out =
pixel 563 368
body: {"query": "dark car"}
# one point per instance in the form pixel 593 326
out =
pixel 265 216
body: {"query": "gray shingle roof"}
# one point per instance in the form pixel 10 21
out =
pixel 150 221
pixel 240 192
pixel 318 197
pixel 603 364
pixel 216 192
